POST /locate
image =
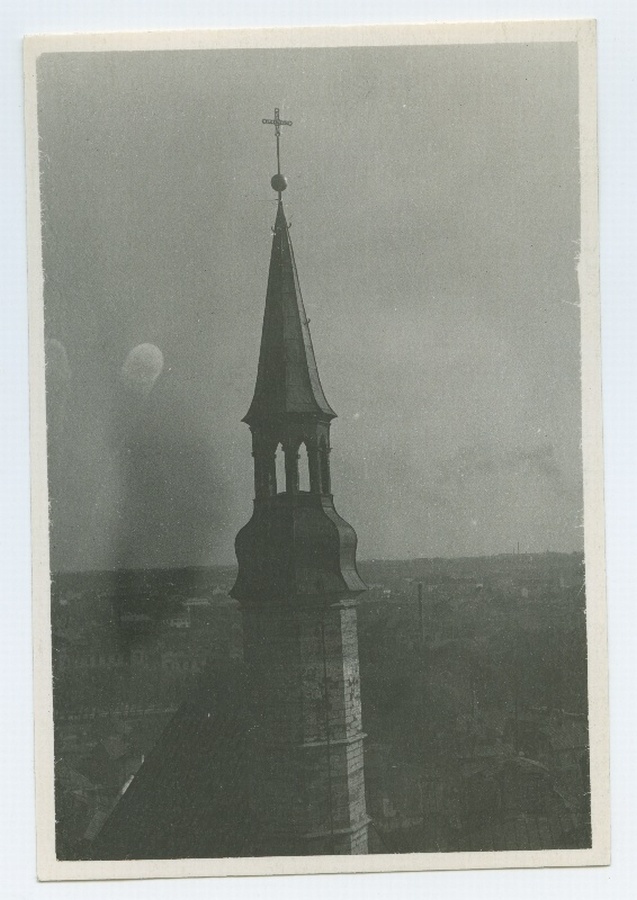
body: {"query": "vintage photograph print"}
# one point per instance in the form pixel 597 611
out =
pixel 317 518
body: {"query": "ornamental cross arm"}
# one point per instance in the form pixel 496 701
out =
pixel 277 122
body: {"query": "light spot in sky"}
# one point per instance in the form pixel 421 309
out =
pixel 142 368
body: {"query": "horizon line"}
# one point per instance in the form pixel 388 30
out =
pixel 377 559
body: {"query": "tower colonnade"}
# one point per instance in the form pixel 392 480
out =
pixel 298 450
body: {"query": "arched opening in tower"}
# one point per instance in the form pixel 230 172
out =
pixel 304 468
pixel 280 470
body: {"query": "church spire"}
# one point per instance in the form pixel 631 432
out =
pixel 297 583
pixel 288 382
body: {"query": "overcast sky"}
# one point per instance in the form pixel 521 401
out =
pixel 434 201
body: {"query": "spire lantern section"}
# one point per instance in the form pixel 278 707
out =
pixel 290 416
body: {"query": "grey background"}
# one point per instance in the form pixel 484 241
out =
pixel 434 206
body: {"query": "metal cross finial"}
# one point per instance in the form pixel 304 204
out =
pixel 277 122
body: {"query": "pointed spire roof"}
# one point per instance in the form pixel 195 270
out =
pixel 288 382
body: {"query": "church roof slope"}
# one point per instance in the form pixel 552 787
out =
pixel 288 381
pixel 189 798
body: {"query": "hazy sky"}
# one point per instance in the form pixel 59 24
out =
pixel 434 201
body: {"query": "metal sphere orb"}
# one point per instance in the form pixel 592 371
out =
pixel 279 182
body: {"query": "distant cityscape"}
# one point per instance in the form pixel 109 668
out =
pixel 473 682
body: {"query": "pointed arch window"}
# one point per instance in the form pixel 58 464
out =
pixel 279 474
pixel 304 469
pixel 292 468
